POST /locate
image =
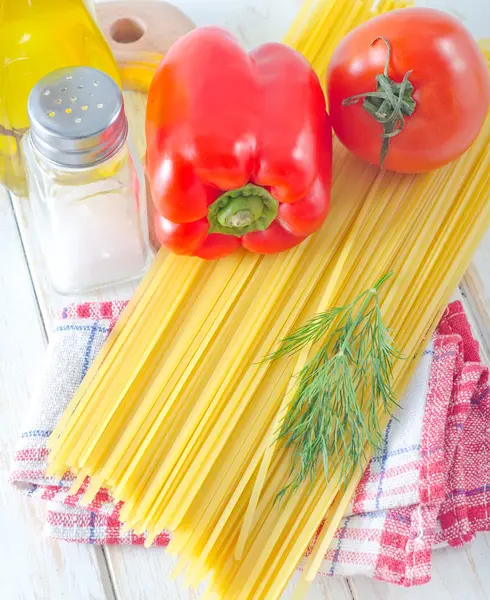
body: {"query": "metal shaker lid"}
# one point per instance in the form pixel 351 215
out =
pixel 77 116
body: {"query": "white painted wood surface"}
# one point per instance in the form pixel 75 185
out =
pixel 35 568
pixel 31 566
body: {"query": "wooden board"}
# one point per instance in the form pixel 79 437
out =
pixel 35 568
pixel 135 30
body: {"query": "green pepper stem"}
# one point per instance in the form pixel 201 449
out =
pixel 239 211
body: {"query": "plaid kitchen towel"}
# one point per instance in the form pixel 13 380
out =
pixel 428 485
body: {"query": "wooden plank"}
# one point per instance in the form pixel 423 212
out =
pixel 33 567
pixel 476 290
pixel 136 570
pixel 457 573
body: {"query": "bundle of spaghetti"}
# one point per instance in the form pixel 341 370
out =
pixel 178 416
pixel 414 304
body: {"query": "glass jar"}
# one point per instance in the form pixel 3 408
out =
pixel 86 185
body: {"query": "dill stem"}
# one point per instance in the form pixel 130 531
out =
pixel 333 415
pixel 355 323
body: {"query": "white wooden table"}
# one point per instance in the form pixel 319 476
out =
pixel 33 567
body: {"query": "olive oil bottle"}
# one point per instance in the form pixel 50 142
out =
pixel 37 37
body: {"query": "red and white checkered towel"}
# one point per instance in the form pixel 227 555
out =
pixel 429 485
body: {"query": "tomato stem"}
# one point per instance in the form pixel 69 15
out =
pixel 389 104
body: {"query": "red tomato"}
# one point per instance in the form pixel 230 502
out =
pixel 451 88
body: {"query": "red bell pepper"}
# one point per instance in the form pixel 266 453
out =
pixel 239 147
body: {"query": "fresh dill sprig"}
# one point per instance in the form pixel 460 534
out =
pixel 334 411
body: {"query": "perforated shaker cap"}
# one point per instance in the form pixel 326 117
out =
pixel 77 117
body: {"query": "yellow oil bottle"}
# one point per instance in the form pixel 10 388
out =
pixel 37 37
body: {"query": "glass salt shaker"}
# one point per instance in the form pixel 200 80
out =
pixel 86 184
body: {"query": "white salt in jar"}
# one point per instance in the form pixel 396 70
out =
pixel 85 182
